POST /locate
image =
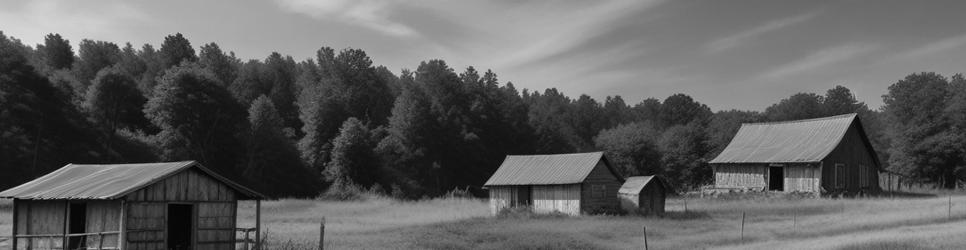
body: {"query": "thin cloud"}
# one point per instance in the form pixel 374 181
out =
pixel 933 48
pixel 742 37
pixel 77 20
pixel 818 59
pixel 367 13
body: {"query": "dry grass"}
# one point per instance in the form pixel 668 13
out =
pixel 770 223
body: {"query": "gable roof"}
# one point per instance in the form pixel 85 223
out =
pixel 109 181
pixel 808 140
pixel 635 184
pixel 547 169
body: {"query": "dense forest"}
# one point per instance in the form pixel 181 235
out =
pixel 337 123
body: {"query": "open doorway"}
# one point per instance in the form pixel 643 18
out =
pixel 77 224
pixel 179 226
pixel 776 178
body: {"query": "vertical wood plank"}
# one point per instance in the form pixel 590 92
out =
pixel 13 231
pixel 122 227
pixel 258 224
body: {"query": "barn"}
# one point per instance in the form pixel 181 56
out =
pixel 822 156
pixel 172 205
pixel 643 195
pixel 573 184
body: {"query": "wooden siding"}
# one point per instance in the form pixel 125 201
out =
pixel 741 176
pixel 502 197
pixel 40 217
pixel 216 225
pixel 802 178
pixel 103 216
pixel 145 223
pixel 191 185
pixel 557 198
pixel 854 153
pixel 608 202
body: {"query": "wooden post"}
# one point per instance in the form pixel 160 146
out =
pixel 794 221
pixel 742 226
pixel 258 224
pixel 685 205
pixel 100 240
pixel 645 237
pixel 66 240
pixel 13 232
pixel 247 240
pixel 322 235
pixel 949 208
pixel 122 228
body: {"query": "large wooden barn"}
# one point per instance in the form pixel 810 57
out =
pixel 572 184
pixel 175 205
pixel 830 155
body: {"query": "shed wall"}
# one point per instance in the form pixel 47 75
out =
pixel 802 178
pixel 860 171
pixel 215 205
pixel 502 197
pixel 741 176
pixel 591 202
pixel 103 216
pixel 40 217
pixel 557 198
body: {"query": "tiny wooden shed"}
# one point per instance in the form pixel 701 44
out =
pixel 829 155
pixel 172 205
pixel 643 195
pixel 566 183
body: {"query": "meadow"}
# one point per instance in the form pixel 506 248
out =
pixel 927 222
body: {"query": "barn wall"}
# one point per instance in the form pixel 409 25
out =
pixel 215 205
pixel 652 198
pixel 103 216
pixel 557 198
pixel 802 178
pixel 606 201
pixel 40 217
pixel 741 176
pixel 854 153
pixel 502 197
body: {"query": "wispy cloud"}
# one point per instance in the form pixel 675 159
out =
pixel 36 18
pixel 739 38
pixel 818 59
pixel 370 14
pixel 935 47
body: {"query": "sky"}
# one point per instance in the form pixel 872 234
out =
pixel 726 54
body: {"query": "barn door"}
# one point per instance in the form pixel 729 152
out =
pixel 524 195
pixel 776 178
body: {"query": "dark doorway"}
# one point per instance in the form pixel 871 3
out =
pixel 76 225
pixel 523 196
pixel 776 178
pixel 179 226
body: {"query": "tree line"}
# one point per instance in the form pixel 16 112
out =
pixel 336 123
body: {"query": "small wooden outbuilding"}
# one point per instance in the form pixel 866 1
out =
pixel 172 205
pixel 572 184
pixel 830 155
pixel 643 195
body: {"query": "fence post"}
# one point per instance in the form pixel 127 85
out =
pixel 100 240
pixel 742 226
pixel 322 234
pixel 247 240
pixel 685 205
pixel 949 208
pixel 645 237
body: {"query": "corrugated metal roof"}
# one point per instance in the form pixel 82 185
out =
pixel 790 141
pixel 545 169
pixel 634 184
pixel 110 181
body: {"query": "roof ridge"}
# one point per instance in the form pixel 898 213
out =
pixel 584 153
pixel 804 120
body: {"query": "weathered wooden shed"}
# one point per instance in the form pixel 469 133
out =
pixel 567 183
pixel 643 195
pixel 173 205
pixel 830 155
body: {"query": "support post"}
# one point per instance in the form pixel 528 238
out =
pixel 13 232
pixel 247 240
pixel 100 241
pixel 742 226
pixel 122 228
pixel 645 237
pixel 949 208
pixel 258 224
pixel 322 234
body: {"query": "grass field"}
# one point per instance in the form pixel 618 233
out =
pixel 770 223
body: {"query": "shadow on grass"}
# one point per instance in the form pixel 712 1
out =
pixel 901 194
pixel 687 215
pixel 887 244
